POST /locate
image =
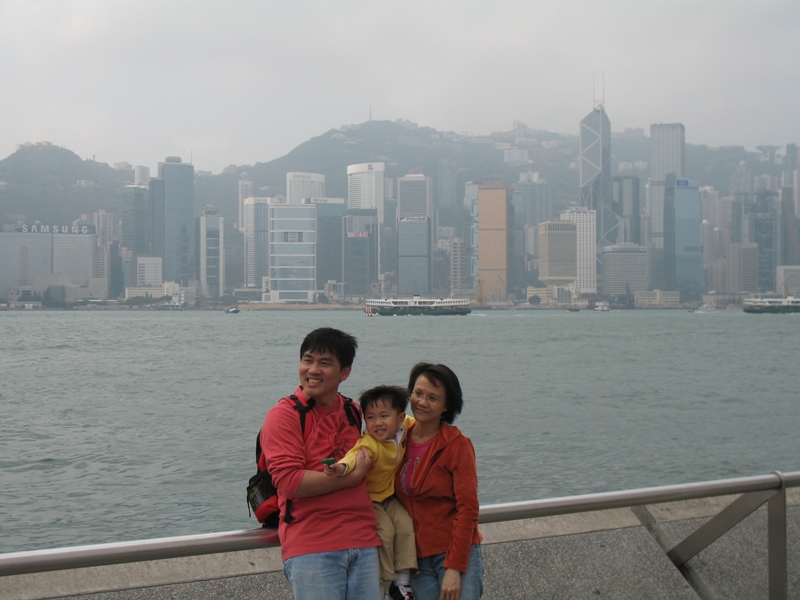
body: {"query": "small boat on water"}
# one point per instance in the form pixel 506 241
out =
pixel 232 310
pixel 601 307
pixel 417 305
pixel 790 304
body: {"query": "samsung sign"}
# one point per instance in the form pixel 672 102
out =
pixel 42 228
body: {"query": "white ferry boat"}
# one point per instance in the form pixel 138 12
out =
pixel 789 304
pixel 419 306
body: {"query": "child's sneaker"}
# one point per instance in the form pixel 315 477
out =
pixel 400 592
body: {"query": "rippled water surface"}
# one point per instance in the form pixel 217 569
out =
pixel 130 425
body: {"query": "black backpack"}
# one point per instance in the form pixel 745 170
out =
pixel 262 496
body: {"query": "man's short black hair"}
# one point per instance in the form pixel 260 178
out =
pixel 395 395
pixel 326 339
pixel 443 376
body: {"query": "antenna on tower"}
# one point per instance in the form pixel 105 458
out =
pixel 598 105
pixel 370 112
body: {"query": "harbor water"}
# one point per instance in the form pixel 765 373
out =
pixel 127 425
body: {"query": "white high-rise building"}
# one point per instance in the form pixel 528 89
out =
pixel 585 219
pixel 211 253
pixel 304 185
pixel 365 187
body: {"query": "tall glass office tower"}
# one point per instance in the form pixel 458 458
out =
pixel 178 219
pixel 667 142
pixel 595 176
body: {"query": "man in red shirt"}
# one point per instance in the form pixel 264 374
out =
pixel 330 542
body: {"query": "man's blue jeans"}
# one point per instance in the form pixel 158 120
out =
pixel 340 575
pixel 427 582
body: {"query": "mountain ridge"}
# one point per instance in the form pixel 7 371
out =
pixel 43 181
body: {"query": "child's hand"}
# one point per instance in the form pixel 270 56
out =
pixel 334 470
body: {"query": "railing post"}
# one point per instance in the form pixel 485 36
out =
pixel 776 540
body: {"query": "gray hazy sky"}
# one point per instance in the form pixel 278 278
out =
pixel 245 81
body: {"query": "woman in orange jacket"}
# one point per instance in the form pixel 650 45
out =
pixel 438 485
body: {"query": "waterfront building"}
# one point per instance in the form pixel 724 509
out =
pixel 683 246
pixel 558 253
pixel 657 298
pixel 493 217
pixel 625 269
pixel 415 234
pixel 595 177
pixel 742 271
pixel 788 280
pixel 292 253
pixel 414 257
pixel 360 268
pixel 211 253
pixel 178 219
pixel 459 272
pixel 304 185
pixel 586 248
pixel 149 271
pixel 37 256
pixel 330 240
pixel 761 225
pixel 667 155
pixel 256 241
pixel 790 235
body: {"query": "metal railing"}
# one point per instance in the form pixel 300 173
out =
pixel 754 492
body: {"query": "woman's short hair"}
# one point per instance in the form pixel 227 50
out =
pixel 443 376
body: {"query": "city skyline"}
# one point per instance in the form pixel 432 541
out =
pixel 81 78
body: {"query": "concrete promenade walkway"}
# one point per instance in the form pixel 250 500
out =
pixel 601 554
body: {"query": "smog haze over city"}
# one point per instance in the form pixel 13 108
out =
pixel 245 82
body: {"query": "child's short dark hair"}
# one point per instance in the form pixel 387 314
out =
pixel 326 339
pixel 395 395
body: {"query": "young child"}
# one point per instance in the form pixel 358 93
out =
pixel 387 425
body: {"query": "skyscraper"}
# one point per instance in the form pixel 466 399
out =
pixel 292 253
pixel 494 211
pixel 256 241
pixel 626 204
pixel 211 253
pixel 304 185
pixel 179 229
pixel 667 144
pixel 595 176
pixel 245 191
pixel 415 234
pixel 683 246
pixel 366 189
pixel 414 258
pixel 558 253
pixel 414 196
pixel 586 248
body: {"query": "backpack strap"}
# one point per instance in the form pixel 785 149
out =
pixel 352 411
